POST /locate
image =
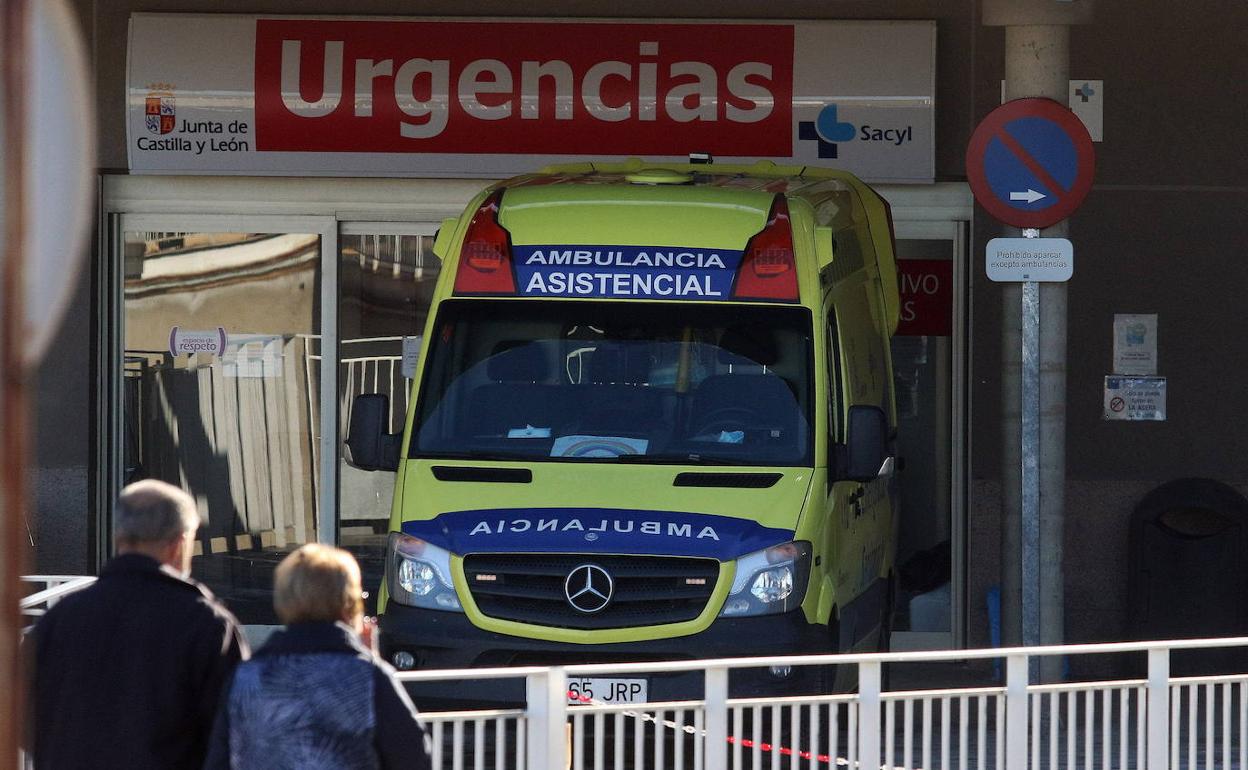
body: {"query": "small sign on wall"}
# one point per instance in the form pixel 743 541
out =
pixel 1135 343
pixel 1087 101
pixel 1135 398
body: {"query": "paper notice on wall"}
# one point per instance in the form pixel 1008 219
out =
pixel 1135 343
pixel 1135 398
pixel 411 354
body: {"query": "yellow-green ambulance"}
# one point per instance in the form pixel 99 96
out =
pixel 652 419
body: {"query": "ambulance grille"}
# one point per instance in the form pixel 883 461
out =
pixel 649 590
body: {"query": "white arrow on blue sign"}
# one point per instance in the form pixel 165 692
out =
pixel 1030 163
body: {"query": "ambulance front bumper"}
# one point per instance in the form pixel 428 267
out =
pixel 448 640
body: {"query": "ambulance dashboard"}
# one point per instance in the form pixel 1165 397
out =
pixel 617 382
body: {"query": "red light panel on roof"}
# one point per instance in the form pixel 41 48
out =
pixel 768 270
pixel 485 258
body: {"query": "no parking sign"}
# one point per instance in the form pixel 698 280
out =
pixel 1030 163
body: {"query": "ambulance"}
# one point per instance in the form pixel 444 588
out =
pixel 652 419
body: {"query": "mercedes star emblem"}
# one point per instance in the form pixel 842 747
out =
pixel 589 588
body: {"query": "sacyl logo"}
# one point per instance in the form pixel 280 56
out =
pixel 829 130
pixel 588 588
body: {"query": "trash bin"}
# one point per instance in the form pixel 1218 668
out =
pixel 1188 573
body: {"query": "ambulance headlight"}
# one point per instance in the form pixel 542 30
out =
pixel 418 574
pixel 769 581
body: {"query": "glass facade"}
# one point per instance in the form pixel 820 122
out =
pixel 233 423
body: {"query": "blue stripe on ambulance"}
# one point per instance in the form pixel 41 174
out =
pixel 596 530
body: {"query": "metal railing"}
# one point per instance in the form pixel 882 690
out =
pixel 54 588
pixel 1158 722
pixel 374 374
pixel 378 373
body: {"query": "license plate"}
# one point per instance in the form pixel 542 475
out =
pixel 611 691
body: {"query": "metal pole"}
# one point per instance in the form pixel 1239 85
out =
pixel 1159 710
pixel 1030 466
pixel 547 717
pixel 1016 704
pixel 13 443
pixel 716 697
pixel 1037 64
pixel 869 685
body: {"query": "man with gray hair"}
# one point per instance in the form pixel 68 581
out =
pixel 128 672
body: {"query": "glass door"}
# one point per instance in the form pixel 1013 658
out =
pixel 225 325
pixel 387 273
pixel 929 373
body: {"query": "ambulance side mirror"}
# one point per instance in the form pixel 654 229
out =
pixel 866 445
pixel 371 446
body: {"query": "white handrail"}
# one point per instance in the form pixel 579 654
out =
pixel 936 656
pixel 58 586
pixel 879 721
pixel 1151 723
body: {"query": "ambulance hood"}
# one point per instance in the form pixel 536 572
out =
pixel 609 510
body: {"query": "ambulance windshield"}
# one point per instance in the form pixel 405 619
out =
pixel 617 382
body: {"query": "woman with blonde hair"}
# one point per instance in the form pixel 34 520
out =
pixel 316 696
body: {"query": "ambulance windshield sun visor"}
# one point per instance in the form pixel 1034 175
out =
pixel 586 381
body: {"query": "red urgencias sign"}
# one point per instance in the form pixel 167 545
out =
pixel 496 87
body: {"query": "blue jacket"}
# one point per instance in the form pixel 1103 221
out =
pixel 315 698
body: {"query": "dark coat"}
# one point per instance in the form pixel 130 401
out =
pixel 129 672
pixel 314 697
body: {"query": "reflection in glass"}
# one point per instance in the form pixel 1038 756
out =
pixel 386 286
pixel 236 427
pixel 923 377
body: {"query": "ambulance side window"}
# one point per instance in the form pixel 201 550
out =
pixel 832 354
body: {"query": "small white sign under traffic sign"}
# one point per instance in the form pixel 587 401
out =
pixel 1029 259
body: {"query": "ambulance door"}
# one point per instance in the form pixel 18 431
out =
pixel 845 543
pixel 863 511
pixel 839 523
